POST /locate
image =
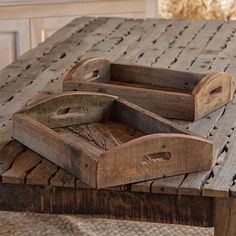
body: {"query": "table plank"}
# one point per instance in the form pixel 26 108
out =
pixel 42 173
pixel 190 54
pixel 180 43
pixel 147 37
pixel 21 166
pixel 158 47
pixel 219 185
pixel 8 153
pixel 63 178
pixel 210 53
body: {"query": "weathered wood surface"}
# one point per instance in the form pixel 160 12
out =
pixel 170 93
pixel 224 216
pixel 86 134
pixel 112 204
pixel 199 46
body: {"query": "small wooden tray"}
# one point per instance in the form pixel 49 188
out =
pixel 106 141
pixel 171 94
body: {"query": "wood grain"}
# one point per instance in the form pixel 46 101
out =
pixel 170 93
pixel 224 217
pixel 194 46
pixel 100 158
pixel 22 165
pixel 120 205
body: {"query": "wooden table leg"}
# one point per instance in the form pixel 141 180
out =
pixel 225 217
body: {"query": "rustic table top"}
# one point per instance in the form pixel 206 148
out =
pixel 177 44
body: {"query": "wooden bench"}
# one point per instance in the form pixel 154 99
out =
pixel 31 183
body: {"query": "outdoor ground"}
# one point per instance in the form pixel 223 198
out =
pixel 27 224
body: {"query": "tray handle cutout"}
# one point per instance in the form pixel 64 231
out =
pixel 216 91
pixel 154 156
pixel 90 70
pixel 212 92
pixel 70 112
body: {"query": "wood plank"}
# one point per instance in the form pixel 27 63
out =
pixel 159 46
pixel 226 52
pixel 63 178
pixel 205 125
pixel 216 46
pixel 80 184
pixel 22 165
pixel 224 217
pixel 189 55
pixel 159 101
pixel 231 68
pixel 5 136
pixel 120 205
pixel 133 37
pixel 142 186
pixel 193 183
pixel 8 153
pixel 42 173
pixel 186 37
pixel 219 185
pixel 148 35
pixel 167 185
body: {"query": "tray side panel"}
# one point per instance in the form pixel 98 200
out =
pixel 155 76
pixel 165 103
pixel 154 156
pixel 46 142
pixel 143 120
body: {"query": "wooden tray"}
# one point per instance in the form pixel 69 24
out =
pixel 171 94
pixel 106 141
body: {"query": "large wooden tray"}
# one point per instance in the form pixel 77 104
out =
pixel 169 93
pixel 107 141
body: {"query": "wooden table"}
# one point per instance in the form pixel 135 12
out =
pixel 31 183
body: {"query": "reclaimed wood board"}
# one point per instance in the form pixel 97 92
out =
pixel 93 135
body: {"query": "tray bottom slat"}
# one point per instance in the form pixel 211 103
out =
pixel 101 135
